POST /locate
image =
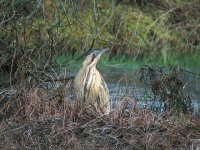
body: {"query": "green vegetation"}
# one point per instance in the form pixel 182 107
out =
pixel 161 32
pixel 183 60
pixel 156 33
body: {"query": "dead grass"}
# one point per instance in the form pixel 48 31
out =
pixel 35 118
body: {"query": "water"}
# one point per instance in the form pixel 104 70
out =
pixel 124 81
pixel 129 79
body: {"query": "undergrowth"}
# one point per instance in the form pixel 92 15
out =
pixel 35 118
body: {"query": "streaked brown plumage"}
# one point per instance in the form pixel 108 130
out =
pixel 90 86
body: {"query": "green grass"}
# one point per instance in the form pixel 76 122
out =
pixel 183 60
pixel 168 57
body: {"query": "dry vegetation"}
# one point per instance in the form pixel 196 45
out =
pixel 35 118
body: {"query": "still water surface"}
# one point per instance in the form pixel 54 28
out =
pixel 124 81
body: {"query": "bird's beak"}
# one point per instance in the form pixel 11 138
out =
pixel 104 50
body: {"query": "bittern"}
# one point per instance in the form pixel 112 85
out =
pixel 90 86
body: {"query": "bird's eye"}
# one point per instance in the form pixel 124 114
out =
pixel 93 57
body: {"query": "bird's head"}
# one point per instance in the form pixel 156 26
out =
pixel 93 58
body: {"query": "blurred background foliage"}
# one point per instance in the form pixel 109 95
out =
pixel 38 34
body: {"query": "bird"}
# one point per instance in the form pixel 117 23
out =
pixel 89 85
